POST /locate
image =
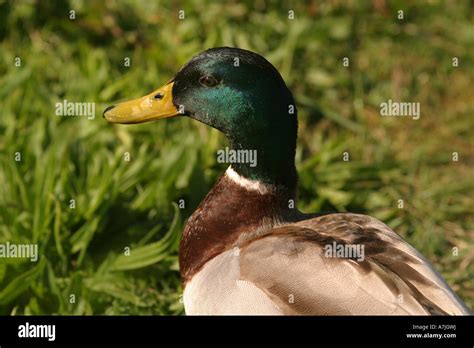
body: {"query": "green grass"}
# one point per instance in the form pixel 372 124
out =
pixel 132 204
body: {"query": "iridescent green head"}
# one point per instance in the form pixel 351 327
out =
pixel 237 92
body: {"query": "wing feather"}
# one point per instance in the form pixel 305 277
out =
pixel 288 263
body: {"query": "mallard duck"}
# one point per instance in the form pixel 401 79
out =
pixel 247 249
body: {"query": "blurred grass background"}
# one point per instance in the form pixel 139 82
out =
pixel 121 203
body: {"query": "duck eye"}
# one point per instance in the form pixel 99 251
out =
pixel 207 81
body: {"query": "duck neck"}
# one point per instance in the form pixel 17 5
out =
pixel 273 156
pixel 253 195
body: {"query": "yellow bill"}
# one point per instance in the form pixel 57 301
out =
pixel 158 104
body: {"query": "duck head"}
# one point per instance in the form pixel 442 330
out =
pixel 237 92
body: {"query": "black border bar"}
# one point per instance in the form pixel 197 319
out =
pixel 136 330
